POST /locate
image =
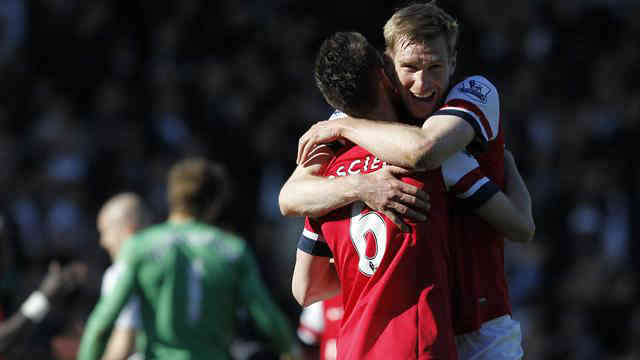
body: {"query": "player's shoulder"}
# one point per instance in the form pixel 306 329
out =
pixel 457 166
pixel 145 238
pixel 479 99
pixel 477 89
pixel 350 151
pixel 226 243
pixel 227 236
pixel 151 231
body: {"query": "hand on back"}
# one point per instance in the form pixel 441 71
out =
pixel 383 191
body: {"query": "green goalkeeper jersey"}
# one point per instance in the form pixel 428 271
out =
pixel 191 279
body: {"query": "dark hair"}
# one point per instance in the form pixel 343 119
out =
pixel 197 187
pixel 345 73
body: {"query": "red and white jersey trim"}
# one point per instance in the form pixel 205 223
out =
pixel 311 235
pixel 462 175
pixel 473 189
pixel 462 106
pixel 479 98
pixel 312 242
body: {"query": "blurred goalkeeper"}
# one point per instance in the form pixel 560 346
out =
pixel 190 277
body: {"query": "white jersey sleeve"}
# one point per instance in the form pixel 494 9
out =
pixel 311 324
pixel 337 114
pixel 476 100
pixel 130 314
pixel 465 180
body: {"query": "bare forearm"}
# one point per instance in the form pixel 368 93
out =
pixel 121 344
pixel 12 329
pixel 411 147
pixel 312 195
pixel 319 291
pixel 324 288
pixel 516 190
pixel 500 212
pixel 515 187
pixel 314 279
pixel 308 290
pixel 395 143
pixel 445 135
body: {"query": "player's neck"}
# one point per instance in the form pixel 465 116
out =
pixel 382 115
pixel 178 217
pixel 384 111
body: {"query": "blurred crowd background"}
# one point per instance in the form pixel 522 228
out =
pixel 101 96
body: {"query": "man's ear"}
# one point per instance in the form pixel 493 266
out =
pixel 389 67
pixel 129 229
pixel 388 75
pixel 385 82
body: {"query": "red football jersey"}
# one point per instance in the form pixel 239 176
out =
pixel 480 286
pixel 320 323
pixel 394 285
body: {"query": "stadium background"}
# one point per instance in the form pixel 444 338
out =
pixel 102 96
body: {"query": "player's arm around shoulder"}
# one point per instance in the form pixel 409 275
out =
pixel 301 196
pixel 307 193
pixel 470 116
pixel 394 142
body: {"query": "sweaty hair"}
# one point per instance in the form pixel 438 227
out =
pixel 345 73
pixel 197 187
pixel 418 23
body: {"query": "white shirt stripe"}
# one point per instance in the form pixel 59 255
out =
pixel 309 234
pixel 456 167
pixel 472 190
pixel 337 114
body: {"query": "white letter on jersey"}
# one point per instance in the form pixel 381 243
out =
pixel 352 170
pixel 194 296
pixel 362 225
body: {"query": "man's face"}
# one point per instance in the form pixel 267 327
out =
pixel 111 233
pixel 423 71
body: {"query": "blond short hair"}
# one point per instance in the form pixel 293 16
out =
pixel 418 23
